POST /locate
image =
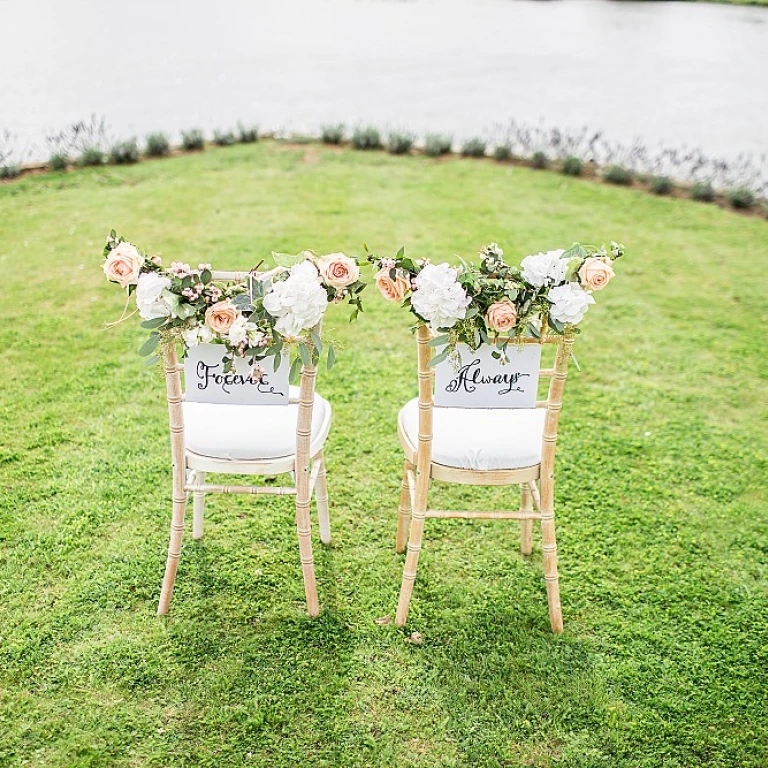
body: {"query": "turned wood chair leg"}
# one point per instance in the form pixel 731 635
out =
pixel 198 508
pixel 404 510
pixel 174 547
pixel 321 497
pixel 549 546
pixel 304 530
pixel 526 526
pixel 418 516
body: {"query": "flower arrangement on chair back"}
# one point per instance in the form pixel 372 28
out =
pixel 254 318
pixel 490 428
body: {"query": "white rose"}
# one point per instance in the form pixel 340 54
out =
pixel 240 330
pixel 544 268
pixel 299 301
pixel 148 296
pixel 570 303
pixel 200 334
pixel 438 297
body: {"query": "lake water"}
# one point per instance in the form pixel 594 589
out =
pixel 678 73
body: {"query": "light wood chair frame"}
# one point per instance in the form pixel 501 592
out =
pixel 190 469
pixel 420 469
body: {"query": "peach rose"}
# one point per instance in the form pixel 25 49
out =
pixel 595 273
pixel 338 270
pixel 221 316
pixel 501 316
pixel 391 290
pixel 123 264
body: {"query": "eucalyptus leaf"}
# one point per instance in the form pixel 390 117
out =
pixel 437 359
pixel 438 341
pixel 295 372
pixel 150 345
pixel 318 344
pixel 330 362
pixel 287 260
pixel 304 354
pixel 155 322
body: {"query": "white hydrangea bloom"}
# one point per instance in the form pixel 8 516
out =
pixel 438 297
pixel 544 268
pixel 570 303
pixel 149 296
pixel 298 302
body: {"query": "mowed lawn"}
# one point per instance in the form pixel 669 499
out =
pixel 661 492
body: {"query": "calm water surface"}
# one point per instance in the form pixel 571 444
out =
pixel 681 73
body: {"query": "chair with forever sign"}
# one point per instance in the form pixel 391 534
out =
pixel 248 439
pixel 473 446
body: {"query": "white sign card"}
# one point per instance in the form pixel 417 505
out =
pixel 206 382
pixel 482 381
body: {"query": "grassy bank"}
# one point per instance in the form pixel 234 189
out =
pixel 661 493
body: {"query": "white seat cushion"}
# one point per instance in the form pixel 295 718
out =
pixel 251 432
pixel 479 438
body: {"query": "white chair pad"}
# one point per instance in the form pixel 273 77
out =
pixel 251 432
pixel 479 438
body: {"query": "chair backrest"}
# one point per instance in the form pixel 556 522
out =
pixel 176 396
pixel 556 374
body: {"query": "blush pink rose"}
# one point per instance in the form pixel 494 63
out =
pixel 595 273
pixel 123 265
pixel 501 316
pixel 220 316
pixel 338 270
pixel 391 290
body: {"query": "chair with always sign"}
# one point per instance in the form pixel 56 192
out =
pixel 481 447
pixel 252 439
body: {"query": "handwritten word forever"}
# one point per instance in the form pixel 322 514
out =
pixel 207 374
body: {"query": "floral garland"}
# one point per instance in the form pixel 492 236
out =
pixel 252 319
pixel 497 303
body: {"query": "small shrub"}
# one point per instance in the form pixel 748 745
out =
pixel 572 166
pixel 192 139
pixel 703 192
pixel 741 198
pixel 58 161
pixel 539 160
pixel 157 145
pixel 223 138
pixel 124 152
pixel 247 134
pixel 473 148
pixel 366 138
pixel 9 171
pixel 399 143
pixel 436 144
pixel 618 174
pixel 332 134
pixel 661 185
pixel 91 156
pixel 502 152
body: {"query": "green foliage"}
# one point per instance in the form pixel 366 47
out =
pixel 399 143
pixel 91 156
pixel 223 138
pixel 660 496
pixel 332 134
pixel 474 148
pixel 703 192
pixel 193 139
pixel 741 198
pixel 10 171
pixel 502 152
pixel 661 185
pixel 436 144
pixel 618 174
pixel 539 160
pixel 157 145
pixel 366 137
pixel 247 134
pixel 572 166
pixel 124 152
pixel 58 161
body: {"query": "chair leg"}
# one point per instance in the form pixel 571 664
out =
pixel 404 510
pixel 414 548
pixel 526 526
pixel 321 497
pixel 549 545
pixel 198 508
pixel 174 547
pixel 304 529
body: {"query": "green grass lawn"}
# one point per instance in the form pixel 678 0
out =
pixel 661 493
